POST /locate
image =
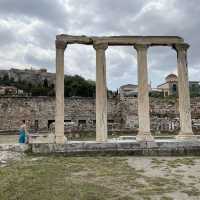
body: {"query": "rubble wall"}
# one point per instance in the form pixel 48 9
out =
pixel 39 113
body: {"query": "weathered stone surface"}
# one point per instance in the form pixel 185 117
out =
pixel 159 148
pixel 143 95
pixel 101 92
pixel 7 156
pixel 14 147
pixel 42 138
pixel 121 40
pixel 59 118
pixel 122 114
pixel 184 95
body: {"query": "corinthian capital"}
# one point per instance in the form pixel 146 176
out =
pixel 60 44
pixel 140 47
pixel 181 46
pixel 102 46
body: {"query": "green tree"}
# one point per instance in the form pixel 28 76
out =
pixel 45 83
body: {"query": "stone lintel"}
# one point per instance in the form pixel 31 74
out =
pixel 122 40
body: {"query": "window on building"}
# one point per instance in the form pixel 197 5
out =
pixel 36 125
pixel 110 121
pixel 174 87
pixel 50 122
pixel 81 122
pixel 67 120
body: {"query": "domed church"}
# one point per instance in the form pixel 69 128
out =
pixel 170 87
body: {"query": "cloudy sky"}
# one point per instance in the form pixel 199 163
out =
pixel 28 29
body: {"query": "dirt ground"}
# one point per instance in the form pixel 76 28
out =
pixel 117 178
pixel 10 139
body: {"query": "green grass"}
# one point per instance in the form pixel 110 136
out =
pixel 64 178
pixel 180 161
pixel 85 178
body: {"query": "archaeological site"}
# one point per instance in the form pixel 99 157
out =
pixel 99 100
pixel 131 120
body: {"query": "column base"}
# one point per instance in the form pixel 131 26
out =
pixel 186 136
pixel 60 139
pixel 101 139
pixel 144 137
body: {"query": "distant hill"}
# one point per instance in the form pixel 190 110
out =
pixel 42 83
pixel 33 76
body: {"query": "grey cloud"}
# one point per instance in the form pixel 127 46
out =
pixel 44 36
pixel 52 12
pixel 105 17
pixel 39 62
pixel 7 37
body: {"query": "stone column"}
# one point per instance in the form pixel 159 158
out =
pixel 183 91
pixel 59 118
pixel 101 93
pixel 144 133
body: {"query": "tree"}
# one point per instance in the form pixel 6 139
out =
pixel 78 86
pixel 45 83
pixel 5 77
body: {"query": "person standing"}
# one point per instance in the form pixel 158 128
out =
pixel 23 134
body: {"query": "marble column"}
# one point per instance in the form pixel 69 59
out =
pixel 184 94
pixel 144 133
pixel 101 93
pixel 59 118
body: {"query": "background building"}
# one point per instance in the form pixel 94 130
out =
pixel 129 90
pixel 10 90
pixel 170 87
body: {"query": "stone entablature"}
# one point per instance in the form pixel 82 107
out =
pixel 121 40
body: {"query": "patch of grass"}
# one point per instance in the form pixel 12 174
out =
pixel 180 161
pixel 67 178
pixel 156 161
pixel 85 178
pixel 166 198
pixel 192 191
pixel 160 186
pixel 192 177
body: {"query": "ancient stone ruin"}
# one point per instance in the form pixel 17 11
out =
pixel 141 44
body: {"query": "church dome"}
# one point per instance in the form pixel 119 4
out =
pixel 171 77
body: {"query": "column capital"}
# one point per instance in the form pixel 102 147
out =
pixel 60 44
pixel 102 46
pixel 181 46
pixel 141 47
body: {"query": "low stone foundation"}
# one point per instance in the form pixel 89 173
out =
pixel 163 147
pixel 14 147
pixel 157 148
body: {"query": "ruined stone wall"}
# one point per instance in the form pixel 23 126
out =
pixel 39 113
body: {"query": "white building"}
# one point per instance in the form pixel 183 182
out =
pixel 170 87
pixel 129 90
